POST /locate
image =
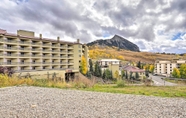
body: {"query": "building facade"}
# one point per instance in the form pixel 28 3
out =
pixel 24 52
pixel 165 68
pixel 112 64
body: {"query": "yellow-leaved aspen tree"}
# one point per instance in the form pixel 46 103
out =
pixel 83 68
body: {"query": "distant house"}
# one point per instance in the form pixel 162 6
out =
pixel 131 69
pixel 111 64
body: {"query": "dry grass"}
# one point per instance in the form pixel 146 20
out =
pixel 146 57
pixel 82 82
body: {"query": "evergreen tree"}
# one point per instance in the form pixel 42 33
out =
pixel 137 75
pixel 126 75
pixel 97 70
pixel 131 75
pixel 91 66
pixel 122 74
pixel 139 65
pixel 104 76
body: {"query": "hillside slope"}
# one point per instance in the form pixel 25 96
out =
pixel 98 52
pixel 116 41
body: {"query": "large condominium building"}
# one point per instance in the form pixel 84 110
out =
pixel 24 52
pixel 166 67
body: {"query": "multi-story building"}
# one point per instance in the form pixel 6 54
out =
pixel 24 53
pixel 163 67
pixel 111 64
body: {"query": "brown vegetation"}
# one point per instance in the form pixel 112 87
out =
pixel 98 52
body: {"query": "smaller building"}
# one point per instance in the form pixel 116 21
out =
pixel 112 64
pixel 131 69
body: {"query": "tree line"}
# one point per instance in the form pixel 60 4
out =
pixel 180 73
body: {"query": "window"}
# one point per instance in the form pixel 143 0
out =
pixel 79 51
pixel 79 55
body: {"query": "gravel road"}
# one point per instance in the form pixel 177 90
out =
pixel 37 102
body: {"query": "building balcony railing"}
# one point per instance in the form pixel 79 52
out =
pixel 11 48
pixel 10 41
pixel 36 49
pixel 64 47
pixel 24 42
pixel 36 43
pixel 63 56
pixel 36 55
pixel 46 44
pixel 10 63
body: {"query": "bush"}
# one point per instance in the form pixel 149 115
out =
pixel 120 83
pixel 6 70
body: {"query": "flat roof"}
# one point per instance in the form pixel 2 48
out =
pixel 4 32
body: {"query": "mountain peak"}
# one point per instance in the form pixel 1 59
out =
pixel 116 41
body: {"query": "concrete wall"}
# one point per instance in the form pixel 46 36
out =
pixel 25 33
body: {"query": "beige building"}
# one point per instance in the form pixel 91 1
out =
pixel 111 64
pixel 24 53
pixel 165 68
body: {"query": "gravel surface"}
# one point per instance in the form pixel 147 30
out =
pixel 37 102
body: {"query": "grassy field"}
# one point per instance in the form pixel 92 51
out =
pixel 88 85
pixel 175 91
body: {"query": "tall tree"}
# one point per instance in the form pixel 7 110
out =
pixel 137 75
pixel 91 66
pixel 83 68
pixel 104 76
pixel 122 74
pixel 116 74
pixel 126 75
pixel 183 71
pixel 176 73
pixel 97 70
pixel 151 68
pixel 139 65
pixel 108 74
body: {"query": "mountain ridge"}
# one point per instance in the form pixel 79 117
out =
pixel 116 41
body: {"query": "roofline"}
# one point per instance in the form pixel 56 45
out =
pixel 36 38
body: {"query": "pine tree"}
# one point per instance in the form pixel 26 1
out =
pixel 139 65
pixel 91 66
pixel 122 74
pixel 104 76
pixel 137 75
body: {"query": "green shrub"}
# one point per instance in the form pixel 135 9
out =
pixel 120 83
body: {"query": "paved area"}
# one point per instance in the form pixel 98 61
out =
pixel 37 102
pixel 160 82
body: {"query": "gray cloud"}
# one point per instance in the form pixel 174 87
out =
pixel 86 20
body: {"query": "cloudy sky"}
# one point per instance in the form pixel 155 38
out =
pixel 154 25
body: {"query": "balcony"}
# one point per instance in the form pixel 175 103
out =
pixel 11 48
pixel 63 47
pixel 10 41
pixel 24 55
pixel 23 42
pixel 47 45
pixel 10 63
pixel 36 56
pixel 36 62
pixel 36 49
pixel 55 62
pixel 37 44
